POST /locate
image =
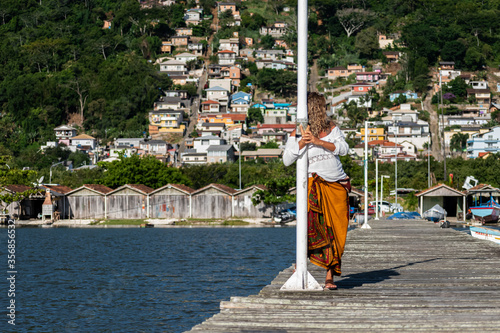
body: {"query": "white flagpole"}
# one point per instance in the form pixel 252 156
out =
pixel 301 278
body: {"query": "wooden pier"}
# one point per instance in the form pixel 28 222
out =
pixel 407 275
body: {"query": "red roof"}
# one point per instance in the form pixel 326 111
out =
pixel 99 188
pixel 221 187
pixel 384 143
pixel 226 51
pixel 17 188
pixel 210 102
pixel 276 126
pixel 362 84
pixel 59 188
pixel 140 187
pixel 183 187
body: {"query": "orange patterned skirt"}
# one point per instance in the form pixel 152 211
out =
pixel 327 222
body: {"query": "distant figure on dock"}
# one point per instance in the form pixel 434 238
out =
pixel 328 186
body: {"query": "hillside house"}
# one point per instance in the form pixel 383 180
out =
pixel 276 30
pixel 208 129
pixel 265 128
pixel 84 142
pixel 374 134
pixel 368 76
pixel 154 147
pixel 408 94
pixel 226 57
pixel 193 16
pixel 385 41
pixel 210 106
pixel 224 6
pixel 194 158
pixel 174 67
pixel 482 96
pixel 403 113
pixel 218 94
pixel 64 133
pixel 392 56
pixel 182 94
pixel 220 154
pixel 488 142
pixel 196 49
pixel 233 133
pixel 184 31
pixel 269 54
pixel 230 44
pixel 180 41
pixel 166 121
pixel 361 88
pixel 342 72
pixel 128 142
pixel 221 83
pixel 202 143
pixel 185 57
pixel 263 153
pixel 166 47
pixel 416 133
pixel 227 118
pixel 171 103
pixel 447 65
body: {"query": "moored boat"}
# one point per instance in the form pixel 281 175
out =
pixel 486 213
pixel 488 233
pixel 435 214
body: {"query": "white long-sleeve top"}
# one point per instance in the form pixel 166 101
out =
pixel 322 161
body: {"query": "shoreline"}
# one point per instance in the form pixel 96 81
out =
pixel 251 223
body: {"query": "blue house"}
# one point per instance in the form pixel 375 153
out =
pixel 408 94
pixel 241 98
pixel 259 106
pixel 280 106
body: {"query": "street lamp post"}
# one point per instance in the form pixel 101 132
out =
pixel 239 157
pixel 377 202
pixel 396 130
pixel 442 124
pixel 365 224
pixel 53 165
pixel 382 186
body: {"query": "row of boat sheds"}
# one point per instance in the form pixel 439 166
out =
pixel 174 201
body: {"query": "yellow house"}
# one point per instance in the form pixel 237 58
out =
pixel 166 121
pixel 374 133
pixel 227 119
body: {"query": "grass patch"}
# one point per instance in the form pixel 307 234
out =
pixel 123 222
pixel 235 222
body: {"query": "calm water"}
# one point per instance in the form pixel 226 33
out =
pixel 137 280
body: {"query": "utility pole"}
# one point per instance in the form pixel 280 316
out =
pixel 442 125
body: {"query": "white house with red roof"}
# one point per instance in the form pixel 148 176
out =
pixel 226 57
pixel 210 106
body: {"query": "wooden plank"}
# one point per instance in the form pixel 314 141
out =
pixel 397 276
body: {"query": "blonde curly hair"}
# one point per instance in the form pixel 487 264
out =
pixel 316 113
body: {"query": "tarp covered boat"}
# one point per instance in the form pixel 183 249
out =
pixel 435 214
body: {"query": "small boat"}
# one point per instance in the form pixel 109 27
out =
pixel 435 214
pixel 488 233
pixel 147 225
pixel 488 212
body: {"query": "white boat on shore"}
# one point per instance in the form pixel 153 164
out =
pixel 488 233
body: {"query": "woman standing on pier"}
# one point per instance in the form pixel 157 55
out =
pixel 328 187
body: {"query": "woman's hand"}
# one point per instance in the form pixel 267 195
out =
pixel 308 137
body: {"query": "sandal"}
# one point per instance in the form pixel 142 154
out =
pixel 332 286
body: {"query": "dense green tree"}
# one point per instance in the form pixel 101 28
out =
pixel 145 170
pixel 366 41
pixel 254 115
pixel 458 141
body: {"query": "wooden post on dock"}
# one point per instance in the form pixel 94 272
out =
pixel 301 278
